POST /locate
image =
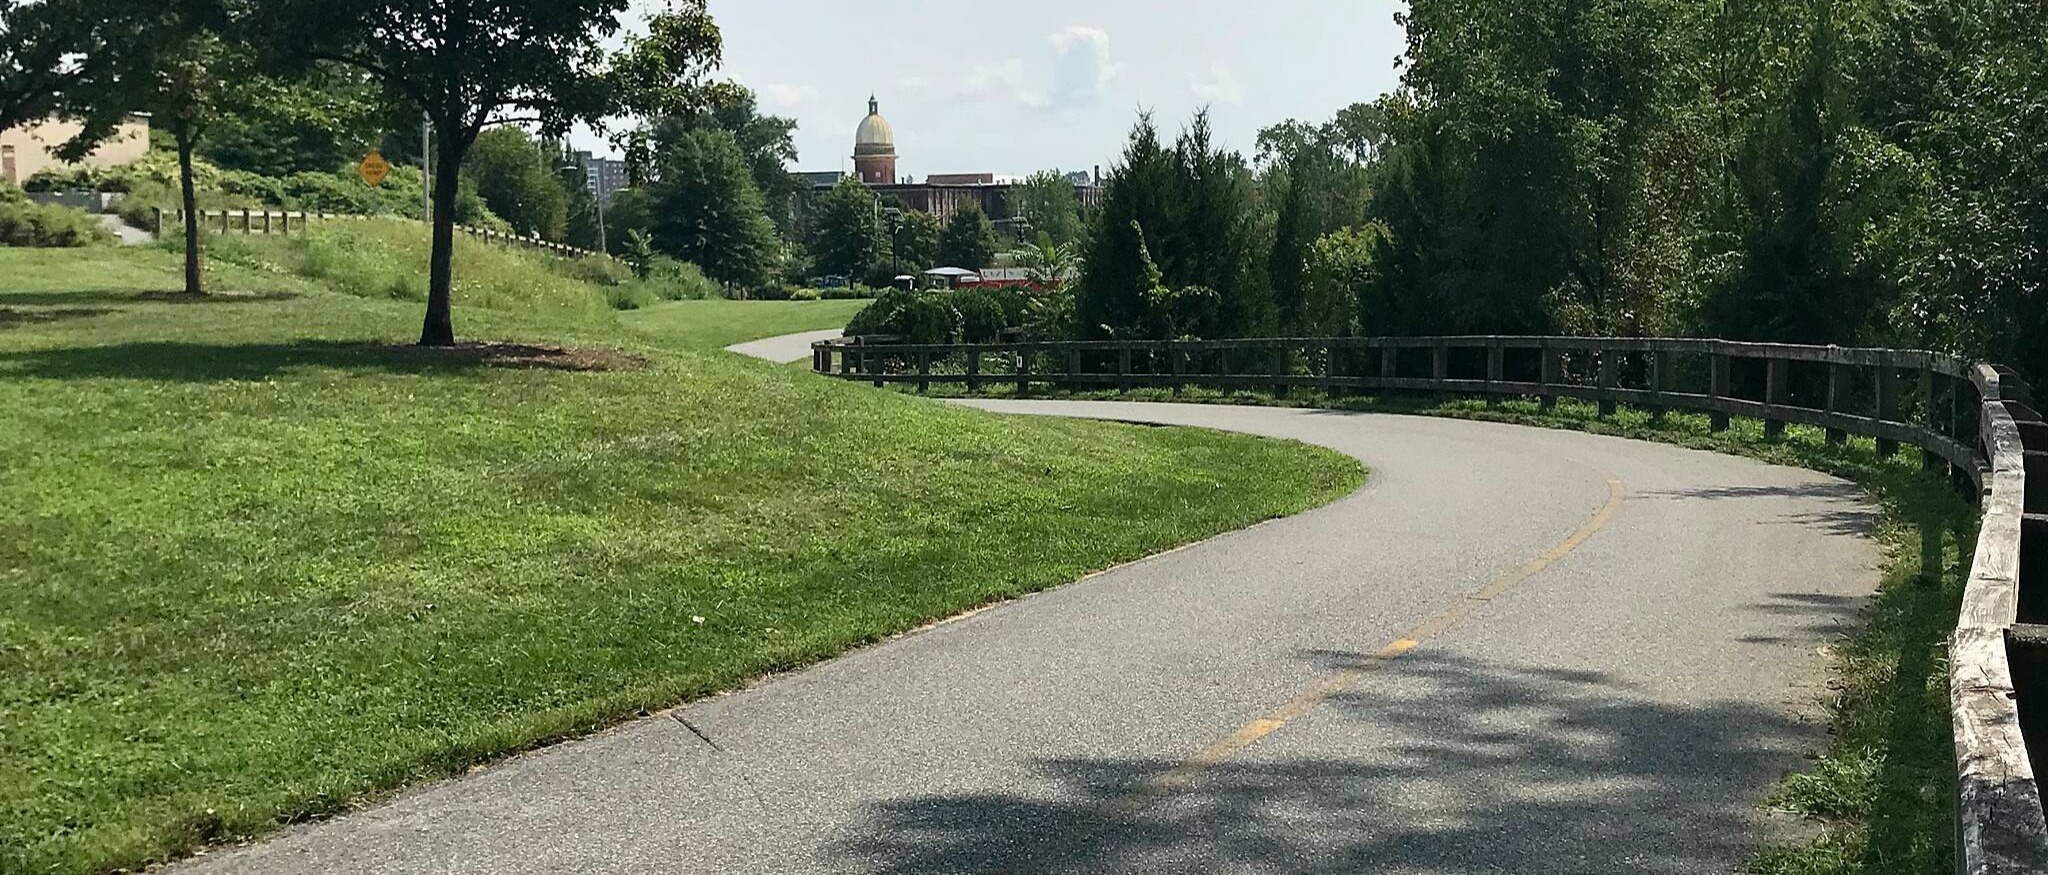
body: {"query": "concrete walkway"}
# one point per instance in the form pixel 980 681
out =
pixel 785 349
pixel 129 235
pixel 1517 650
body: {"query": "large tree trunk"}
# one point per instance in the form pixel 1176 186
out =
pixel 190 197
pixel 439 329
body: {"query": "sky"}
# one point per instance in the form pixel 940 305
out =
pixel 1010 88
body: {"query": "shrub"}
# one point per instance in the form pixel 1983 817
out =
pixel 982 318
pixel 918 317
pixel 30 224
pixel 844 293
pixel 802 294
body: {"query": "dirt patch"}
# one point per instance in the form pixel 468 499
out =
pixel 519 355
pixel 227 296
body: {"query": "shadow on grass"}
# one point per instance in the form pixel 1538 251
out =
pixel 1438 764
pixel 91 296
pixel 199 362
pixel 10 317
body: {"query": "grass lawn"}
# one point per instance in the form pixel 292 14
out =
pixel 1882 795
pixel 713 324
pixel 254 567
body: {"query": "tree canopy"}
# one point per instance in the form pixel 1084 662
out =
pixel 969 239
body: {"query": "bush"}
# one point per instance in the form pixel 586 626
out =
pixel 30 224
pixel 846 293
pixel 917 317
pixel 982 317
pixel 802 294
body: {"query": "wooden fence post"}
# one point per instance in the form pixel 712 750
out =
pixel 157 214
pixel 1838 395
pixel 924 371
pixel 1173 359
pixel 1553 375
pixel 973 369
pixel 1717 389
pixel 1024 357
pixel 224 220
pixel 1775 381
pixel 1123 369
pixel 1660 381
pixel 1390 364
pixel 1929 460
pixel 1280 369
pixel 1610 371
pixel 266 223
pixel 1887 407
pixel 1496 371
pixel 869 362
pixel 1073 369
pixel 1440 361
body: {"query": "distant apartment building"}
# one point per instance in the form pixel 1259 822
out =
pixel 603 176
pixel 27 149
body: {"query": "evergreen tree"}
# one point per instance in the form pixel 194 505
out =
pixel 917 241
pixel 1110 300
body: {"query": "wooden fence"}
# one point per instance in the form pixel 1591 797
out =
pixel 1972 420
pixel 290 221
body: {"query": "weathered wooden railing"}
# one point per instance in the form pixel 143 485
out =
pixel 1971 419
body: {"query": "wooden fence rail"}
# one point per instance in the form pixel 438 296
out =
pixel 1971 420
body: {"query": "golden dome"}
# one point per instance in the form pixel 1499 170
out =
pixel 874 136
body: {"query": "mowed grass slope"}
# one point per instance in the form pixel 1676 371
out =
pixel 253 569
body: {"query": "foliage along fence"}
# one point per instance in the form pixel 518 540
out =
pixel 1971 419
pixel 288 221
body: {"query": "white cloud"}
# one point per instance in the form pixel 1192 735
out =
pixel 1081 68
pixel 915 86
pixel 1219 85
pixel 1005 81
pixel 780 96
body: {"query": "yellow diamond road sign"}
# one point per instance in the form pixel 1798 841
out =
pixel 374 168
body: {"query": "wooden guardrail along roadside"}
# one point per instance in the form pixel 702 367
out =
pixel 1972 420
pixel 293 221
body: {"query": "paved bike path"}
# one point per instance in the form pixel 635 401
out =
pixel 1516 650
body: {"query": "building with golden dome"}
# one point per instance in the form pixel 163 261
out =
pixel 874 147
pixel 940 194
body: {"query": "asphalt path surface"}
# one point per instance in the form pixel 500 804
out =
pixel 785 348
pixel 1516 650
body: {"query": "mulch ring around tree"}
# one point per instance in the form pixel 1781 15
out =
pixel 514 355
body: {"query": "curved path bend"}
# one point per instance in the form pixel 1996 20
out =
pixel 1516 650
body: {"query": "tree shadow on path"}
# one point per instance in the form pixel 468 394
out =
pixel 1438 764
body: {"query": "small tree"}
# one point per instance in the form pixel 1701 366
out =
pixel 969 240
pixel 707 211
pixel 472 66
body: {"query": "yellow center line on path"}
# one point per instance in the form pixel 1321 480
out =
pixel 1181 775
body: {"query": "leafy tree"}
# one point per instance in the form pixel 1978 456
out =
pixel 969 240
pixel 847 234
pixel 469 67
pixel 171 61
pixel 1316 181
pixel 586 226
pixel 916 241
pixel 767 142
pixel 48 46
pixel 513 175
pixel 1046 200
pixel 319 124
pixel 707 211
pixel 1051 266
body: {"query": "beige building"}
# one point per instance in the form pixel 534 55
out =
pixel 26 149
